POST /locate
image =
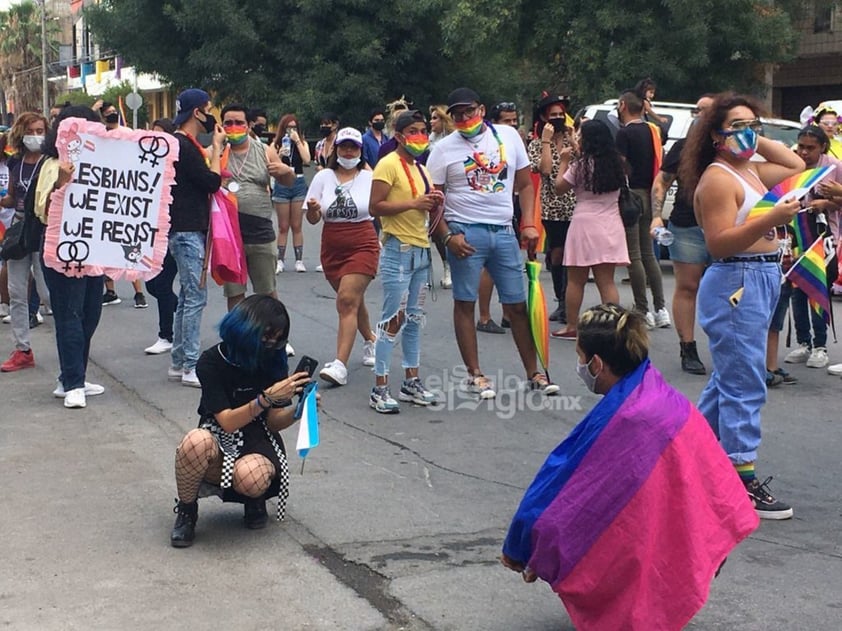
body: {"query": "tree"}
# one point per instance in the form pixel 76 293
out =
pixel 20 55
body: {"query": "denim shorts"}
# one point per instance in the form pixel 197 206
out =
pixel 498 250
pixel 689 245
pixel 296 193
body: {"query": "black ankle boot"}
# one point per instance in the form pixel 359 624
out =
pixel 690 361
pixel 254 514
pixel 184 530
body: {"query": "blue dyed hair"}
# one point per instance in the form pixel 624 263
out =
pixel 243 330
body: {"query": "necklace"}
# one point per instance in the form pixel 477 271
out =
pixel 409 177
pixel 481 159
pixel 26 183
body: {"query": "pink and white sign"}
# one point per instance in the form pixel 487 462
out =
pixel 113 217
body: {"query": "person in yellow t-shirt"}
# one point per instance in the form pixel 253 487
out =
pixel 402 196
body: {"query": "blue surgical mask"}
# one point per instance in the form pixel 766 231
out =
pixel 585 375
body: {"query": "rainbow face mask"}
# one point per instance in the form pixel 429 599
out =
pixel 469 128
pixel 740 143
pixel 237 134
pixel 416 144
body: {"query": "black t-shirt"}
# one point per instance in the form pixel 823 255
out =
pixel 635 144
pixel 682 214
pixel 194 182
pixel 294 159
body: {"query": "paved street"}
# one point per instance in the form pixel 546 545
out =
pixel 396 522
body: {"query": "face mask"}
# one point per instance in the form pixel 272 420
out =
pixel 471 127
pixel 740 144
pixel 347 163
pixel 258 129
pixel 33 143
pixel 379 125
pixel 209 123
pixel 113 117
pixel 586 376
pixel 237 134
pixel 325 130
pixel 558 124
pixel 416 144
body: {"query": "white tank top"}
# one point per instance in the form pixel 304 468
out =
pixel 750 195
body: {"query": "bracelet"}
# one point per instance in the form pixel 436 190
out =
pixel 546 142
pixel 529 226
pixel 257 401
pixel 276 403
pixel 447 238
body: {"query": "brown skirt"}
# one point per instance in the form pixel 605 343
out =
pixel 349 248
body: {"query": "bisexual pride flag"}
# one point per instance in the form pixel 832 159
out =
pixel 630 517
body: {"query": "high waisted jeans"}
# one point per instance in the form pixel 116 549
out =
pixel 735 305
pixel 403 271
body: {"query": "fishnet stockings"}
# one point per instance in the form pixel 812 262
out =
pixel 198 458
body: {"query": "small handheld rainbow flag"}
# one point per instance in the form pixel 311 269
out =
pixel 809 274
pixel 794 187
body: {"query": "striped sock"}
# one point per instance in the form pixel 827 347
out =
pixel 746 471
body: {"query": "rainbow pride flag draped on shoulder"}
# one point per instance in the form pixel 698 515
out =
pixel 630 517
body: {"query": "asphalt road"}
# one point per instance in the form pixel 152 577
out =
pixel 396 522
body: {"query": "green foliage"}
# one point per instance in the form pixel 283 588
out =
pixel 113 94
pixel 76 97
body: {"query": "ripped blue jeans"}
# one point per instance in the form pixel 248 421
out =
pixel 403 272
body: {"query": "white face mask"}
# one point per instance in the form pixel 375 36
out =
pixel 585 375
pixel 33 143
pixel 347 163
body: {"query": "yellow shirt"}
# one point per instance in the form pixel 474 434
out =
pixel 409 226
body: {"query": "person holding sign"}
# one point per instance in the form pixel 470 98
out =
pixel 251 164
pixel 247 399
pixel 197 177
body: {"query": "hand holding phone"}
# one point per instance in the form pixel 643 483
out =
pixel 306 364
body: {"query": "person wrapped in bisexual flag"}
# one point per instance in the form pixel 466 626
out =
pixel 631 517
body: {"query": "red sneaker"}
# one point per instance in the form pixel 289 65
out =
pixel 564 334
pixel 18 360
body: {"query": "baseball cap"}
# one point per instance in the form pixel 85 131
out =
pixel 347 134
pixel 461 96
pixel 405 119
pixel 188 101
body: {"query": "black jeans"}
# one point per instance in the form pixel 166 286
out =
pixel 161 288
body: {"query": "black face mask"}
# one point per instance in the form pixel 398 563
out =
pixel 325 130
pixel 558 124
pixel 113 117
pixel 379 125
pixel 258 129
pixel 209 123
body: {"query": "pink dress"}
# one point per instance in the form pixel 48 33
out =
pixel 596 233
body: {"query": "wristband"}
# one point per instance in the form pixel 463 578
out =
pixel 257 401
pixel 281 403
pixel 447 238
pixel 546 142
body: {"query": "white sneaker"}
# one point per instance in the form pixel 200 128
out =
pixel 279 268
pixel 174 373
pixel 190 379
pixel 446 282
pixel 39 318
pixel 835 370
pixel 299 266
pixel 91 390
pixel 161 346
pixel 799 355
pixel 368 354
pixel 818 358
pixel 335 372
pixel 75 398
pixel 4 309
pixel 320 268
pixel 662 318
pixel 290 350
pixel 7 319
pixel 46 310
pixel 650 320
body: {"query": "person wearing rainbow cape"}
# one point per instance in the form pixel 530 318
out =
pixel 631 517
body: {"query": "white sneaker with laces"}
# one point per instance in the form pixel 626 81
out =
pixel 159 347
pixel 190 379
pixel 835 370
pixel 662 318
pixel 368 354
pixel 75 399
pixel 320 268
pixel 818 358
pixel 799 355
pixel 7 319
pixel 39 318
pixel 299 266
pixel 290 350
pixel 650 320
pixel 175 373
pixel 91 390
pixel 335 372
pixel 279 269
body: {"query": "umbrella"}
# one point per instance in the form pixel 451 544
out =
pixel 536 308
pixel 308 427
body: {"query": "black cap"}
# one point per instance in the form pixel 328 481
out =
pixel 461 96
pixel 405 119
pixel 552 99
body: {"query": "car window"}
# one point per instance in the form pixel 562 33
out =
pixel 785 134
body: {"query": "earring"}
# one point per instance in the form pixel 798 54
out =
pixel 716 144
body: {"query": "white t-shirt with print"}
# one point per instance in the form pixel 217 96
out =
pixel 6 214
pixel 477 191
pixel 350 204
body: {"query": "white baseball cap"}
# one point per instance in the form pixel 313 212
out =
pixel 349 134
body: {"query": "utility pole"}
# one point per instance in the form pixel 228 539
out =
pixel 45 92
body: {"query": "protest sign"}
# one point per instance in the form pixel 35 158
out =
pixel 113 217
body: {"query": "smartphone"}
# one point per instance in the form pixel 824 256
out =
pixel 307 364
pixel 299 407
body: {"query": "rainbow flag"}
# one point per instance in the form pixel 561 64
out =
pixel 795 187
pixel 809 274
pixel 536 309
pixel 803 233
pixel 630 517
pixel 658 146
